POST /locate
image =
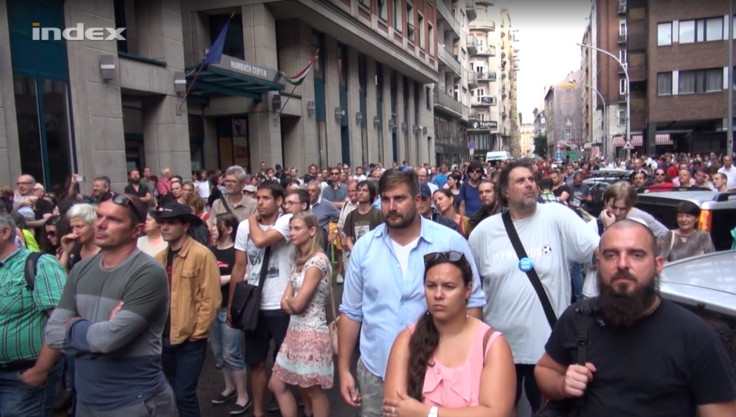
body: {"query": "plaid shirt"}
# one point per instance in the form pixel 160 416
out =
pixel 22 311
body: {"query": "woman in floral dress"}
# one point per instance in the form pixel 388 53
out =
pixel 305 357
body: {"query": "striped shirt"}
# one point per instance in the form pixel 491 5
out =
pixel 22 311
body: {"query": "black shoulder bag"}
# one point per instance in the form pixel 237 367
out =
pixel 585 313
pixel 549 312
pixel 246 302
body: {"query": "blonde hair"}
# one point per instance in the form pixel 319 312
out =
pixel 314 247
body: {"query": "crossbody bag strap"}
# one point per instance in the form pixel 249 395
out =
pixel 549 312
pixel 264 268
pixel 224 203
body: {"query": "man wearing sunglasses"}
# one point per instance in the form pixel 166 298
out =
pixel 111 318
pixel 469 196
pixel 383 291
pixel 661 181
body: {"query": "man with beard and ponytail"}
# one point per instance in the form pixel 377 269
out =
pixel 383 292
pixel 645 356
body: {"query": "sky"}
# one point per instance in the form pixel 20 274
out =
pixel 547 35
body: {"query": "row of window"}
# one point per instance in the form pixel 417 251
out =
pixel 691 82
pixel 410 23
pixel 695 30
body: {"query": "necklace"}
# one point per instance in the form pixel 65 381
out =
pixel 653 308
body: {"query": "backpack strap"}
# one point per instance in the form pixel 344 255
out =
pixel 31 268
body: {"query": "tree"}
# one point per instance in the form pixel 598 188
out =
pixel 540 146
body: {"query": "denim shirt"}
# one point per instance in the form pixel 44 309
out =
pixel 378 295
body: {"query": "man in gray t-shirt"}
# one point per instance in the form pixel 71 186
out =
pixel 111 317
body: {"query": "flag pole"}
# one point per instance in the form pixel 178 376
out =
pixel 281 109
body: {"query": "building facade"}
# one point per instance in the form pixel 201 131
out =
pixel 102 107
pixel 564 118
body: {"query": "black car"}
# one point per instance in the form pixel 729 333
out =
pixel 599 181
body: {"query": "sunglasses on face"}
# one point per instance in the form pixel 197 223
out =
pixel 122 200
pixel 51 234
pixel 476 171
pixel 453 257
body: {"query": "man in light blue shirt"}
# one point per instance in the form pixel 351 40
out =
pixel 384 287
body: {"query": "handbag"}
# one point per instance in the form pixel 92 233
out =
pixel 246 303
pixel 333 324
pixel 549 312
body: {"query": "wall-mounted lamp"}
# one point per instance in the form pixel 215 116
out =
pixel 311 108
pixel 276 102
pixel 107 67
pixel 180 82
pixel 339 113
pixel 416 129
pixel 377 122
pixel 424 130
pixel 359 118
pixel 404 127
pixel 392 125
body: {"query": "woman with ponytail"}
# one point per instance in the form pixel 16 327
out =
pixel 449 364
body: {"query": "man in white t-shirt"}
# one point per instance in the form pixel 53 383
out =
pixel 553 237
pixel 262 231
pixel 729 170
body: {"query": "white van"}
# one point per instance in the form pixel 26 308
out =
pixel 498 156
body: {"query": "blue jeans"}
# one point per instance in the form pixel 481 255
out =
pixel 182 364
pixel 227 343
pixel 576 278
pixel 20 400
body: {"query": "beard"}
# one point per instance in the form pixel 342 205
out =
pixel 622 309
pixel 135 181
pixel 402 222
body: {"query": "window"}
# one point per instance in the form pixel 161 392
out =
pixel 622 86
pixel 622 56
pixel 410 22
pixel 622 27
pixel 382 10
pixel 714 29
pixel 422 34
pixel 430 37
pixel 664 83
pixel 621 120
pixel 664 34
pixel 687 31
pixel 398 16
pixel 365 3
pixel 700 81
pixel 480 92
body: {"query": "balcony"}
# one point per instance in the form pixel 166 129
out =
pixel 471 44
pixel 484 101
pixel 483 24
pixel 450 61
pixel 487 76
pixel 472 79
pixel 447 103
pixel 621 39
pixel 449 17
pixel 470 10
pixel 487 50
pixel 622 7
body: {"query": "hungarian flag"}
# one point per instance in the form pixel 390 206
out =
pixel 298 78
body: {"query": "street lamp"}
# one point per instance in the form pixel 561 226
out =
pixel 605 115
pixel 628 97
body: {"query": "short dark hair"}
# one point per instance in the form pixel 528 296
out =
pixel 301 193
pixel 503 178
pixel 277 191
pixel 394 177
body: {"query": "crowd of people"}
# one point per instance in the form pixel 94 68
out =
pixel 460 289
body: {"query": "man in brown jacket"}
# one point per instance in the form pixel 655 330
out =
pixel 194 288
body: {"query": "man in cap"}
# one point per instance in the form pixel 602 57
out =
pixel 110 318
pixel 249 191
pixel 195 299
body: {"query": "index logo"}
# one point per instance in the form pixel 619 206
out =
pixel 76 33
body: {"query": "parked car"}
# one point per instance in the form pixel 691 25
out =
pixel 717 211
pixel 706 285
pixel 599 181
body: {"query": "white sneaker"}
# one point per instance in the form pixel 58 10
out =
pixel 339 279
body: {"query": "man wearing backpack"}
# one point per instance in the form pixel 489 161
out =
pixel 31 286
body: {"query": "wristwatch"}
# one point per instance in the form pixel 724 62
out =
pixel 433 412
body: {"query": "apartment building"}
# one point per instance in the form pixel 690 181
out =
pixel 563 113
pixel 455 79
pixel 102 107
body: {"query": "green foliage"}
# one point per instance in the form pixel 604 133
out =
pixel 540 146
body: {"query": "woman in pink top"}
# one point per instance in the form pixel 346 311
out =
pixel 449 364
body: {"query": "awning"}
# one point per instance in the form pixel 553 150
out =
pixel 617 141
pixel 232 77
pixel 663 139
pixel 637 140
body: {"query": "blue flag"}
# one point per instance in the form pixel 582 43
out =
pixel 215 53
